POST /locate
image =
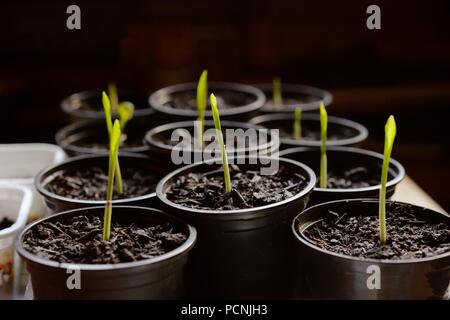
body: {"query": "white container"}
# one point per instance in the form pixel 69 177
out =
pixel 20 163
pixel 15 204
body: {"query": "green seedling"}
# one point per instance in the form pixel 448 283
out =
pixel 277 99
pixel 107 107
pixel 297 123
pixel 323 147
pixel 390 130
pixel 113 161
pixel 226 169
pixel 202 93
pixel 114 97
pixel 125 112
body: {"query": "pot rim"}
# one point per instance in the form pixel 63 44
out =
pixel 362 135
pixel 260 98
pixel 233 214
pixel 392 164
pixel 312 246
pixel 38 182
pixel 66 132
pixel 327 97
pixel 186 246
pixel 226 124
pixel 68 108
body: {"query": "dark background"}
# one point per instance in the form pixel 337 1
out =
pixel 402 69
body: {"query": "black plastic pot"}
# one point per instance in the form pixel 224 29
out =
pixel 341 132
pixel 156 278
pixel 244 99
pixel 58 203
pixel 240 254
pixel 326 275
pixel 87 105
pixel 295 95
pixel 345 158
pixel 76 138
pixel 157 138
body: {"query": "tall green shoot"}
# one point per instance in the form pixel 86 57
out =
pixel 113 156
pixel 202 93
pixel 114 97
pixel 390 131
pixel 125 112
pixel 323 146
pixel 297 123
pixel 107 107
pixel 276 98
pixel 226 169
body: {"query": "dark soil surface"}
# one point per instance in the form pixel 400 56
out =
pixel 409 236
pixel 297 102
pixel 95 104
pixel 91 183
pixel 310 134
pixel 225 100
pixel 358 177
pixel 79 240
pixel 102 143
pixel 5 223
pixel 249 189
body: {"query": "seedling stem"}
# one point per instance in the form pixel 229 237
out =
pixel 297 123
pixel 323 147
pixel 277 99
pixel 390 131
pixel 113 161
pixel 226 169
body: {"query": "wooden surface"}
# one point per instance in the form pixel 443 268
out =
pixel 409 191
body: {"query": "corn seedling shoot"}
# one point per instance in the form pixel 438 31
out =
pixel 323 146
pixel 114 97
pixel 113 161
pixel 125 112
pixel 277 99
pixel 202 92
pixel 107 107
pixel 226 169
pixel 297 123
pixel 390 130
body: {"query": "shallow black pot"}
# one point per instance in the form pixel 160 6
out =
pixel 341 132
pixel 156 278
pixel 326 275
pixel 295 95
pixel 74 137
pixel 161 150
pixel 87 105
pixel 246 101
pixel 345 158
pixel 58 203
pixel 240 254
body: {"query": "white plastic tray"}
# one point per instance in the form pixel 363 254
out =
pixel 20 163
pixel 15 204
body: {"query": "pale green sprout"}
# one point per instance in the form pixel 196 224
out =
pixel 277 99
pixel 390 130
pixel 113 96
pixel 107 107
pixel 125 112
pixel 202 93
pixel 113 161
pixel 226 169
pixel 298 123
pixel 323 146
